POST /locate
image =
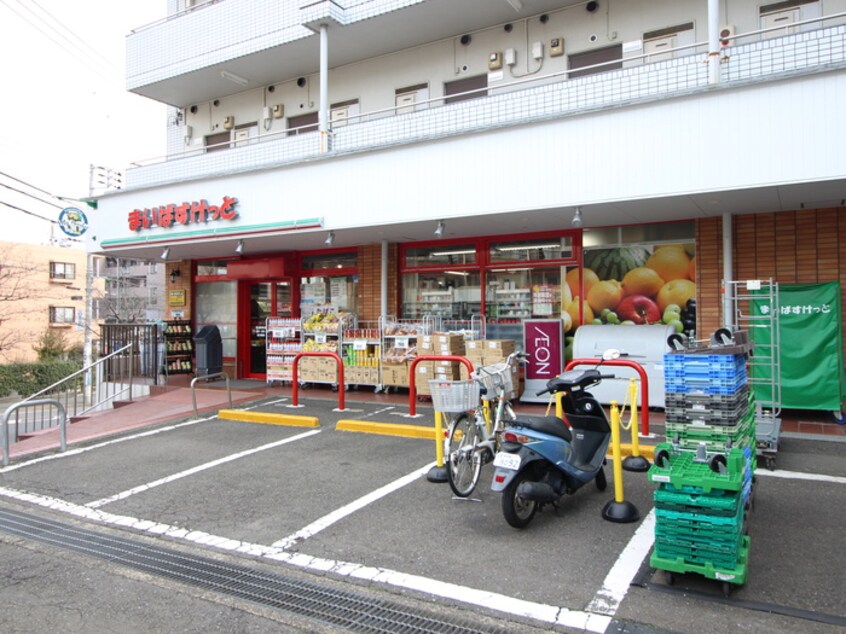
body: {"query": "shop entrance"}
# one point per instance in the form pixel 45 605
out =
pixel 261 300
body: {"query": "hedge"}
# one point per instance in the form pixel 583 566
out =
pixel 25 379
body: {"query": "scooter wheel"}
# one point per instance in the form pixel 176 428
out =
pixel 518 511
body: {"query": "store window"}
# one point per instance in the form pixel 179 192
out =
pixel 216 305
pixel 538 249
pixel 440 255
pixel 211 267
pixel 450 294
pixel 329 283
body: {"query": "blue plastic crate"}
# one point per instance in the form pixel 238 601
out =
pixel 704 385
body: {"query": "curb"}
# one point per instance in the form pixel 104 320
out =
pixel 386 429
pixel 268 418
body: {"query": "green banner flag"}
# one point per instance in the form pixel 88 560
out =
pixel 811 348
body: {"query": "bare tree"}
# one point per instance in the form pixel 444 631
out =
pixel 17 288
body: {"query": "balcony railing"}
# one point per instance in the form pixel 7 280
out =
pixel 751 58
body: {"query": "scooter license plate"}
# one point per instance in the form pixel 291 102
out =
pixel 507 460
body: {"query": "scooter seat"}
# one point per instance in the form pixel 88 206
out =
pixel 551 425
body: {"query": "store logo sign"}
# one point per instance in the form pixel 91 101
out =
pixel 186 213
pixel 73 222
pixel 543 343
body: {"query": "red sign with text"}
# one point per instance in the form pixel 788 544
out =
pixel 197 212
pixel 543 343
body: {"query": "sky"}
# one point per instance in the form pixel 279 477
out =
pixel 65 106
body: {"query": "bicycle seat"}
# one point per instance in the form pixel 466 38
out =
pixel 551 425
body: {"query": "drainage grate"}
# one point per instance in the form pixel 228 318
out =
pixel 355 612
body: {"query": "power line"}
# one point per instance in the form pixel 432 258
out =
pixel 30 185
pixel 33 196
pixel 57 43
pixel 27 212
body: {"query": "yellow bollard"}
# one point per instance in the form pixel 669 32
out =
pixel 618 510
pixel 635 462
pixel 438 473
pixel 559 405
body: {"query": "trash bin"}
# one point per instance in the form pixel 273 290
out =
pixel 208 348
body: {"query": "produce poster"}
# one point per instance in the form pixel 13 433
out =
pixel 636 285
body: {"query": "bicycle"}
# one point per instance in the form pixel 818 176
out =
pixel 473 438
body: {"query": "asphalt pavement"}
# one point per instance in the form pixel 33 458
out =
pixel 355 511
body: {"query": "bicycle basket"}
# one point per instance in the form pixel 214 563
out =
pixel 454 396
pixel 492 377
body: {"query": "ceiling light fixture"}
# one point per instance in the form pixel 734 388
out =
pixel 439 231
pixel 577 218
pixel 330 239
pixel 515 4
pixel 166 253
pixel 241 81
pixel 240 248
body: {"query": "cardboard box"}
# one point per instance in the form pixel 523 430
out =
pixel 395 374
pixel 500 346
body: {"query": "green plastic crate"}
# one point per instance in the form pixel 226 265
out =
pixel 736 574
pixel 683 471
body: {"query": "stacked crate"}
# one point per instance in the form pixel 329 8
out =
pixel 705 485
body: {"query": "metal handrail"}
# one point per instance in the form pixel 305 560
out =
pixel 206 377
pixel 63 433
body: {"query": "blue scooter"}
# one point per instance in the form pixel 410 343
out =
pixel 541 459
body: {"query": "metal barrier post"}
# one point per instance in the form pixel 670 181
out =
pixel 295 396
pixel 618 510
pixel 207 377
pixel 412 388
pixel 634 462
pixel 63 424
pixel 644 381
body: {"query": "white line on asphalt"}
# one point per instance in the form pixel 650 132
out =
pixel 114 441
pixel 482 598
pixel 352 507
pixel 619 578
pixel 276 402
pixel 799 475
pixel 209 465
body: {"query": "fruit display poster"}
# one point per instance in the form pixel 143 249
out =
pixel 638 284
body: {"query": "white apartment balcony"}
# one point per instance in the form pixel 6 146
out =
pixel 752 60
pixel 178 60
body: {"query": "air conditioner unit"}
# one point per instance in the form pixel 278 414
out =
pixel 727 33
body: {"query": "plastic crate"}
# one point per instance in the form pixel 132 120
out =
pixel 684 471
pixel 702 519
pixel 704 385
pixel 709 402
pixel 454 396
pixel 697 409
pixel 736 574
pixel 723 504
pixel 705 364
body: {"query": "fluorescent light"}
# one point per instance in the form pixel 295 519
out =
pixel 529 247
pixel 456 252
pixel 241 81
pixel 461 273
pixel 515 4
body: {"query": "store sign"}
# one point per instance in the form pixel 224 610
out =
pixel 73 221
pixel 197 212
pixel 543 338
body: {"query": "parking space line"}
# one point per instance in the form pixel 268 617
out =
pixel 114 441
pixel 348 509
pixel 203 467
pixel 482 598
pixel 619 578
pixel 800 475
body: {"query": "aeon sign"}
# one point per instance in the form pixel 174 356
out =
pixel 543 339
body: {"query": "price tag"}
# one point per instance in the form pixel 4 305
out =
pixel 401 342
pixel 360 344
pixel 320 337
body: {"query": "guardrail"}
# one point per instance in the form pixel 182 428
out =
pixel 63 423
pixel 206 377
pixel 644 381
pixel 412 387
pixel 295 397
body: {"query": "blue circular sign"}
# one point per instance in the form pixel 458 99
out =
pixel 73 221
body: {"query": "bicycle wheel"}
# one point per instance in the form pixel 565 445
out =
pixel 464 465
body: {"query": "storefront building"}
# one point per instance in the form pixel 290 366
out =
pixel 486 166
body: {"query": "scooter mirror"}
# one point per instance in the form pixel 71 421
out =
pixel 611 354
